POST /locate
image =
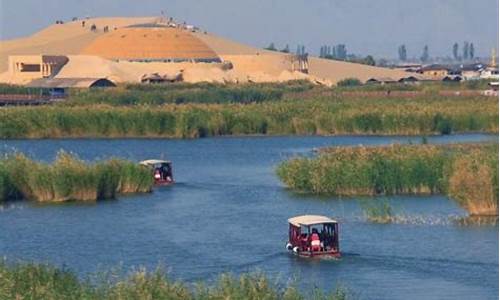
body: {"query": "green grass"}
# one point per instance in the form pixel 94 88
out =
pixel 70 178
pixel 428 87
pixel 467 173
pixel 21 90
pixel 378 212
pixel 179 93
pixel 35 281
pixel 330 115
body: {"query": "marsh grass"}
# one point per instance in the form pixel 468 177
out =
pixel 316 116
pixel 378 211
pixel 466 173
pixel 183 93
pixel 38 281
pixel 69 178
pixel 473 181
pixel 477 221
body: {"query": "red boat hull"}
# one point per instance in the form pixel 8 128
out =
pixel 163 182
pixel 318 254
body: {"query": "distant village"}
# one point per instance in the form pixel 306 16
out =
pixel 454 71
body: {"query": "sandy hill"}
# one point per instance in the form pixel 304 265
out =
pixel 249 63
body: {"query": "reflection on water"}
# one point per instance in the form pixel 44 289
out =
pixel 228 213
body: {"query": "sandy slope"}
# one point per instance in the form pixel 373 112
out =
pixel 247 58
pixel 68 38
pixel 250 64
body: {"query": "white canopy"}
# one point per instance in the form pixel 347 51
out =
pixel 150 162
pixel 308 220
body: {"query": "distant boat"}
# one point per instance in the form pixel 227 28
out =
pixel 313 236
pixel 161 170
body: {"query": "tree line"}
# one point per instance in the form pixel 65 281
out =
pixel 468 52
pixel 334 52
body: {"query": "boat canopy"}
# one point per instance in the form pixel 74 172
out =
pixel 151 162
pixel 308 220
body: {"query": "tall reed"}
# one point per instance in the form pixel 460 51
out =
pixel 35 281
pixel 467 173
pixel 70 178
pixel 322 116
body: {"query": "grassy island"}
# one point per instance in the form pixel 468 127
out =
pixel 466 173
pixel 33 281
pixel 70 178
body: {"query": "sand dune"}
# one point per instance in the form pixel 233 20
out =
pixel 249 63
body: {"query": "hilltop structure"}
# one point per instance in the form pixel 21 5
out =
pixel 160 50
pixel 151 43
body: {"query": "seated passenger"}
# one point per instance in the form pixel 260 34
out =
pixel 315 241
pixel 157 174
pixel 304 241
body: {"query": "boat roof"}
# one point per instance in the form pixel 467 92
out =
pixel 154 162
pixel 308 220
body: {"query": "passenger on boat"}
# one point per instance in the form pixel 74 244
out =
pixel 304 241
pixel 157 174
pixel 315 240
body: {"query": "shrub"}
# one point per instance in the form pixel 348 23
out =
pixel 349 82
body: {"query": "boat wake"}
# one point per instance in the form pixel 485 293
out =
pixel 424 220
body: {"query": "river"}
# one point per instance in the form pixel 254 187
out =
pixel 228 213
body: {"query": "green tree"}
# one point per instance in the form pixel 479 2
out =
pixel 341 51
pixel 271 47
pixel 369 60
pixel 286 49
pixel 466 51
pixel 455 52
pixel 471 50
pixel 425 54
pixel 402 53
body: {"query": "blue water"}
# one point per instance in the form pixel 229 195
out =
pixel 228 213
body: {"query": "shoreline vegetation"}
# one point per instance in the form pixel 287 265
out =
pixel 205 110
pixel 39 281
pixel 466 173
pixel 69 178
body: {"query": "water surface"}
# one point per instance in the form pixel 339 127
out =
pixel 228 213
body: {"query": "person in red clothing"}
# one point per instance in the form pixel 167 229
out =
pixel 315 241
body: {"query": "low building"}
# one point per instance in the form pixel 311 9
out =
pixel 493 91
pixel 434 71
pixel 489 73
pixel 381 80
pixel 408 80
pixel 58 86
pixel 471 72
pixel 29 67
pixel 451 78
pixel 409 67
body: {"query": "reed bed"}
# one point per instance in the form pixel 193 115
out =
pixel 466 173
pixel 70 178
pixel 35 281
pixel 178 93
pixel 323 116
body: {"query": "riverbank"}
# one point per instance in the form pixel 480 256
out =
pixel 69 178
pixel 319 116
pixel 35 281
pixel 466 173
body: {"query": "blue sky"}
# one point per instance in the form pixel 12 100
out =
pixel 374 27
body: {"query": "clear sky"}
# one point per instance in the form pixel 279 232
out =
pixel 374 27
